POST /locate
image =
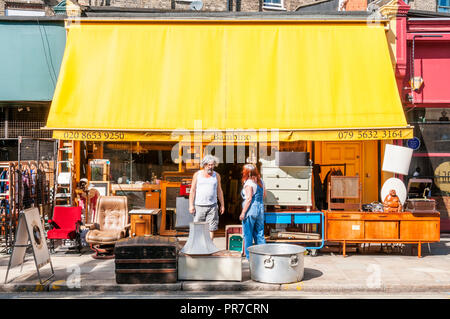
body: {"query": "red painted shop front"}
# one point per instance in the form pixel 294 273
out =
pixel 423 77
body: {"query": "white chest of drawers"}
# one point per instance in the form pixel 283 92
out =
pixel 288 185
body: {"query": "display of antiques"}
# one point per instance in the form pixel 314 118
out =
pixel 392 225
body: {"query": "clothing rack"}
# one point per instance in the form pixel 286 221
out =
pixel 23 185
pixel 8 217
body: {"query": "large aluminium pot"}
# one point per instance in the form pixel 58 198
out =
pixel 276 263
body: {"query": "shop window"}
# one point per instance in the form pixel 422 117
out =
pixel 432 158
pixel 443 5
pixel 137 162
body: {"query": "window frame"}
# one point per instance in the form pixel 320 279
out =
pixel 274 6
pixel 443 8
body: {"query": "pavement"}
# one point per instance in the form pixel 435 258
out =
pixel 370 271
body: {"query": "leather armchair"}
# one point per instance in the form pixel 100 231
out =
pixel 111 223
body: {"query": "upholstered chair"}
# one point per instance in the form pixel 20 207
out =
pixel 111 223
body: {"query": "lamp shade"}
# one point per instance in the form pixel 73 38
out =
pixel 199 242
pixel 397 159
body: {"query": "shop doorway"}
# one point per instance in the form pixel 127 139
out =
pixel 338 158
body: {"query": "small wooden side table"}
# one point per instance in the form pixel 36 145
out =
pixel 143 221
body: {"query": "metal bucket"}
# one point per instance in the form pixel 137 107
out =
pixel 276 263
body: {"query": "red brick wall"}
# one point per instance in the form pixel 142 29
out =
pixel 356 5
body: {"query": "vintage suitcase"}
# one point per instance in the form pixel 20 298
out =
pixel 143 260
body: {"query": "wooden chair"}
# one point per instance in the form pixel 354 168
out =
pixel 345 188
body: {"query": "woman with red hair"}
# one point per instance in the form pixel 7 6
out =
pixel 252 215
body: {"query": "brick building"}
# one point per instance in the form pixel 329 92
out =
pixel 45 7
pixel 425 5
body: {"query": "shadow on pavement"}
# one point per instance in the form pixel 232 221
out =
pixel 311 274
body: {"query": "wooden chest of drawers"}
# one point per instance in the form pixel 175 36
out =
pixel 289 186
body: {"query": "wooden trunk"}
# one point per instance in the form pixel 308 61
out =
pixel 142 260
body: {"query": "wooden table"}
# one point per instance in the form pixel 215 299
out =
pixel 367 227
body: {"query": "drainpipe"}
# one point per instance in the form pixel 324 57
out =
pixel 6 121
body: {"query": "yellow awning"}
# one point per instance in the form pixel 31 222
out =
pixel 305 80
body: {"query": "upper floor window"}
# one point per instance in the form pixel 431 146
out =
pixel 275 4
pixel 443 5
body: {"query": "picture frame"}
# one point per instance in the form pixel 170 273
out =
pixel 103 187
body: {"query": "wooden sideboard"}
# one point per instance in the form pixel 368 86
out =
pixel 367 227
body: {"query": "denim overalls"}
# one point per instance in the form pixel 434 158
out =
pixel 253 224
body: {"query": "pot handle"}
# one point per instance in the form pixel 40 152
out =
pixel 294 261
pixel 268 262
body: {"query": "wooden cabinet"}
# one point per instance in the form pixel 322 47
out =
pixel 346 229
pixel 378 229
pixel 143 221
pixel 415 230
pixel 359 227
pixel 152 199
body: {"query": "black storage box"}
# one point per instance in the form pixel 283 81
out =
pixel 292 158
pixel 143 260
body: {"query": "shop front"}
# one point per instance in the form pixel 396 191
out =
pixel 151 97
pixel 422 73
